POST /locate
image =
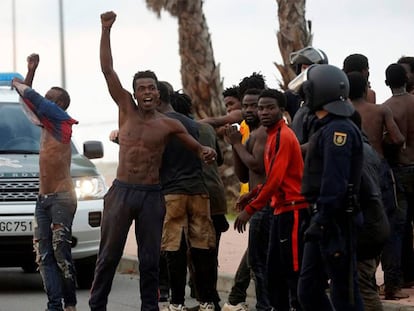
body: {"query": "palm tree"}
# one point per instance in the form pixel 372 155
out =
pixel 294 34
pixel 199 74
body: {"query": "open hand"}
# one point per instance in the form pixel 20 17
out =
pixel 241 221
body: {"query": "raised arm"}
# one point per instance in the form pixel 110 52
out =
pixel 118 93
pixel 234 116
pixel 32 63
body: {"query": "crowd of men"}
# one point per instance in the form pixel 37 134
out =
pixel 327 177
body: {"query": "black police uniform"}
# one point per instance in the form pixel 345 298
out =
pixel 333 162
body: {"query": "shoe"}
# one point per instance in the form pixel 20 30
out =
pixel 396 295
pixel 164 297
pixel 206 307
pixel 242 306
pixel 381 289
pixel 173 307
pixel 408 284
pixel 70 308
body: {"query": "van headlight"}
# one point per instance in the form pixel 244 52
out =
pixel 90 188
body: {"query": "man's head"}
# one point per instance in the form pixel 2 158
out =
pixel 408 63
pixel 181 103
pixel 303 58
pixel 358 85
pixel 145 85
pixel 59 96
pixel 165 92
pixel 356 62
pixel 271 105
pixel 395 76
pixel 249 107
pixel 327 88
pixel 232 98
pixel 254 81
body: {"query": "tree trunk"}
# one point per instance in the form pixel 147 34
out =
pixel 294 34
pixel 199 74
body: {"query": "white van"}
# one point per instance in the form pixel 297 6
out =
pixel 19 186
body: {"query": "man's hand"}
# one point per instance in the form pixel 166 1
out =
pixel 208 154
pixel 232 135
pixel 241 221
pixel 107 19
pixel 32 61
pixel 114 136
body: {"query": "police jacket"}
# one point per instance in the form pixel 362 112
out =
pixel 333 161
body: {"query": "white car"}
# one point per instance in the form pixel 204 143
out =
pixel 19 186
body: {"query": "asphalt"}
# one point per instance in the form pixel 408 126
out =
pixel 232 247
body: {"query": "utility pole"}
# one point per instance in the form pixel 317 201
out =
pixel 14 33
pixel 62 45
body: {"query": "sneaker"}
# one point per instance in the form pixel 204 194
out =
pixel 173 307
pixel 396 295
pixel 242 306
pixel 70 308
pixel 206 307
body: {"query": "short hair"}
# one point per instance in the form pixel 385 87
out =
pixel 255 80
pixel 165 92
pixel 181 103
pixel 357 85
pixel 252 91
pixel 355 62
pixel 144 74
pixel 273 93
pixel 232 91
pixel 409 60
pixel 395 76
pixel 64 97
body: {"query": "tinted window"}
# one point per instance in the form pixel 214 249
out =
pixel 17 133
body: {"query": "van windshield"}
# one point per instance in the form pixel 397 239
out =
pixel 17 133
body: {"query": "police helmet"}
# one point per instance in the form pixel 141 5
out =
pixel 327 87
pixel 307 56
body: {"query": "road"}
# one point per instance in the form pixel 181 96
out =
pixel 21 291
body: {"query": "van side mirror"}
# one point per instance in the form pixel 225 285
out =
pixel 93 149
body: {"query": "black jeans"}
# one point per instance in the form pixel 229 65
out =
pixel 123 203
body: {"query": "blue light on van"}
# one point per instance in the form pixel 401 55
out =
pixel 6 78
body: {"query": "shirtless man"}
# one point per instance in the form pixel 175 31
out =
pixel 401 104
pixel 56 204
pixel 375 118
pixel 249 167
pixel 136 192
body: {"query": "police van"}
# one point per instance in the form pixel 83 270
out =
pixel 19 187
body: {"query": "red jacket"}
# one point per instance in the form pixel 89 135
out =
pixel 284 170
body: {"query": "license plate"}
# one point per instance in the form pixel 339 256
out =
pixel 13 226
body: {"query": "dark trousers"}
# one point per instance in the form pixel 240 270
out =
pixel 241 281
pixel 203 269
pixel 123 203
pixel 319 265
pixel 285 258
pixel 400 235
pixel 259 227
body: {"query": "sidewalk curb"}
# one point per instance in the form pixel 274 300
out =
pixel 129 265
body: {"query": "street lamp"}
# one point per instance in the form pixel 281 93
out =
pixel 62 46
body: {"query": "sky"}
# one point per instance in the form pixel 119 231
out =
pixel 243 34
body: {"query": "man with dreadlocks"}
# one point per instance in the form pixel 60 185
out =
pixel 187 224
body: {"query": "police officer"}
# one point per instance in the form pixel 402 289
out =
pixel 332 175
pixel 301 119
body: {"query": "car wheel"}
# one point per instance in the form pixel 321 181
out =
pixel 85 269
